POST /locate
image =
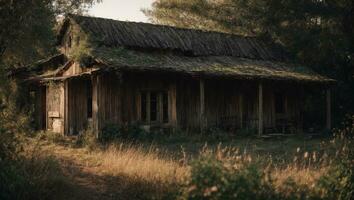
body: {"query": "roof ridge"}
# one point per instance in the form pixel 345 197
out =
pixel 166 26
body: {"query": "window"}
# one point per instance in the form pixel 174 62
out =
pixel 154 107
pixel 143 108
pixel 280 103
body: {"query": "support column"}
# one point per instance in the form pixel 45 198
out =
pixel 95 104
pixel 66 107
pixel 173 104
pixel 328 109
pixel 260 109
pixel 202 105
pixel 241 110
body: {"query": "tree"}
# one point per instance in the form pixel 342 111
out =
pixel 318 33
pixel 27 27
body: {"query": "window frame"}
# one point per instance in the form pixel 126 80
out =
pixel 162 111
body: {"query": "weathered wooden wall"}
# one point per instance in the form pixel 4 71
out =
pixel 55 107
pixel 76 102
pixel 116 99
pixel 233 100
pixel 40 107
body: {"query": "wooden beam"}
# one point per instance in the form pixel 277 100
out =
pixel 95 104
pixel 62 107
pixel 260 109
pixel 173 104
pixel 202 105
pixel 241 110
pixel 328 112
pixel 66 107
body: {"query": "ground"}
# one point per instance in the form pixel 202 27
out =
pixel 152 169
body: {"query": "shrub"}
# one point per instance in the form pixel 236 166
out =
pixel 52 136
pixel 110 132
pixel 339 181
pixel 87 139
pixel 133 131
pixel 214 179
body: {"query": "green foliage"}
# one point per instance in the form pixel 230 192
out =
pixel 27 31
pixel 34 178
pixel 113 132
pixel 339 182
pixel 212 179
pixel 110 132
pixel 52 137
pixel 88 139
pixel 219 177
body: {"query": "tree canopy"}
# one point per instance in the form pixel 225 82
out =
pixel 27 27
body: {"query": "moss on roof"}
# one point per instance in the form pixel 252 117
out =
pixel 242 68
pixel 113 33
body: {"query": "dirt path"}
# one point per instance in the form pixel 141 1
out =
pixel 86 180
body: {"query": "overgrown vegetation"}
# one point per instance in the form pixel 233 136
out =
pixel 230 175
pixel 27 34
pixel 239 168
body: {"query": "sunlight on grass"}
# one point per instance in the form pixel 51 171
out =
pixel 135 161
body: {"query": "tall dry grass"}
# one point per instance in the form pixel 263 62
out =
pixel 149 164
pixel 150 171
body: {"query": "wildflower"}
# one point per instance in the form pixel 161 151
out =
pixel 306 154
pixel 298 150
pixel 192 188
pixel 314 156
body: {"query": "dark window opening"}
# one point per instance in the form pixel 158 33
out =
pixel 89 99
pixel 153 106
pixel 279 104
pixel 143 106
pixel 165 107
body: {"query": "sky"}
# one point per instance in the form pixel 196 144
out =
pixel 125 10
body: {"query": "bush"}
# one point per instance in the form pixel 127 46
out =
pixel 113 132
pixel 339 181
pixel 110 132
pixel 213 179
pixel 88 139
pixel 52 136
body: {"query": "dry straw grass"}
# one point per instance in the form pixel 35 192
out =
pixel 149 171
pixel 135 161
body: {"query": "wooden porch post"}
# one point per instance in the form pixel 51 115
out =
pixel 241 110
pixel 202 105
pixel 173 104
pixel 66 107
pixel 328 109
pixel 260 109
pixel 95 104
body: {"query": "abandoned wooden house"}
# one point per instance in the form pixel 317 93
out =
pixel 164 77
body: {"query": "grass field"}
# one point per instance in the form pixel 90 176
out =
pixel 157 168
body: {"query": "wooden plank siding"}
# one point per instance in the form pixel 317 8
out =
pixel 54 107
pixel 116 98
pixel 76 105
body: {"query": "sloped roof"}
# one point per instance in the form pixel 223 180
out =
pixel 225 66
pixel 113 33
pixel 137 47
